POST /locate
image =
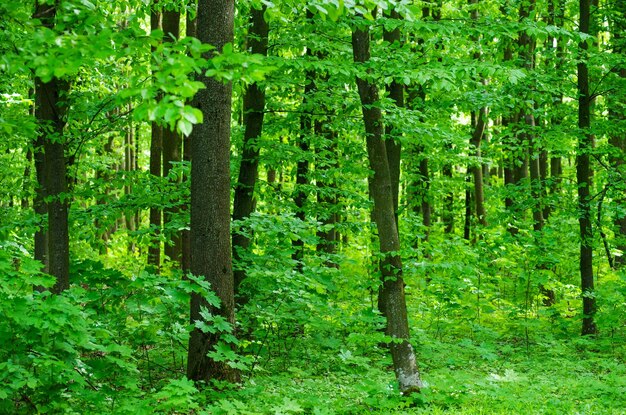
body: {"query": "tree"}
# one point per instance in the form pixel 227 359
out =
pixel 156 151
pixel 583 177
pixel 172 145
pixel 391 294
pixel 51 97
pixel 210 197
pixel 253 107
pixel 302 165
pixel 617 141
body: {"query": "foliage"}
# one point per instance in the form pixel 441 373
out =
pixel 309 338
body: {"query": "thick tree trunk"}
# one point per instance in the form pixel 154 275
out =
pixel 583 178
pixel 391 294
pixel 50 110
pixel 210 197
pixel 156 149
pixel 172 143
pixel 253 107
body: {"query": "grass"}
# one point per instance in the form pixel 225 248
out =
pixel 462 377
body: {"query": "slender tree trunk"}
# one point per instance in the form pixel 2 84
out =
pixel 476 169
pixel 210 197
pixel 467 223
pixel 26 179
pixel 391 293
pixel 421 184
pixel 39 204
pixel 253 107
pixel 479 124
pixel 326 190
pixel 616 138
pixel 583 177
pixel 185 234
pixel 392 145
pixel 426 207
pixel 156 149
pixel 172 146
pixel 448 202
pixel 50 110
pixel 302 166
pixel 129 166
pixel 104 176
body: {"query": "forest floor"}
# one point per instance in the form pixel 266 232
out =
pixel 462 377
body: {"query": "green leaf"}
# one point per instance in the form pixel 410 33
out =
pixel 184 127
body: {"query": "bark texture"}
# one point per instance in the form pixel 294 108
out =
pixel 617 140
pixel 583 178
pixel 392 145
pixel 156 151
pixel 172 143
pixel 210 197
pixel 190 31
pixel 50 111
pixel 391 294
pixel 253 107
pixel 302 166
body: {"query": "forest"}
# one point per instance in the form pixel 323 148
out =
pixel 313 207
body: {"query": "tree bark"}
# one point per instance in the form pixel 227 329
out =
pixel 617 140
pixel 583 177
pixel 210 197
pixel 326 190
pixel 476 168
pixel 172 143
pixel 391 293
pixel 50 111
pixel 302 166
pixel 190 31
pixel 39 204
pixel 129 166
pixel 392 145
pixel 479 124
pixel 253 107
pixel 156 149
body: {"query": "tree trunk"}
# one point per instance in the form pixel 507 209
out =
pixel 326 190
pixel 583 177
pixel 50 110
pixel 447 215
pixel 479 124
pixel 129 166
pixel 210 197
pixel 392 145
pixel 617 140
pixel 172 143
pixel 253 107
pixel 302 166
pixel 190 31
pixel 39 204
pixel 391 293
pixel 467 223
pixel 476 168
pixel 156 149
